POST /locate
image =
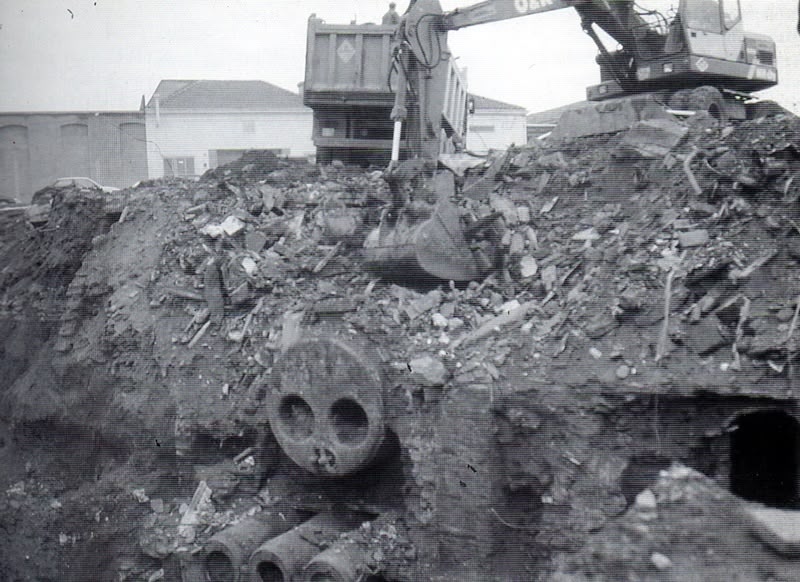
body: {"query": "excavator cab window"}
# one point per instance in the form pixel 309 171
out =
pixel 704 15
pixel 731 13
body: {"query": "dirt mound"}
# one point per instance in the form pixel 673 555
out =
pixel 684 527
pixel 260 165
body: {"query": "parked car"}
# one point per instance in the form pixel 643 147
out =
pixel 39 211
pixel 44 195
pixel 9 202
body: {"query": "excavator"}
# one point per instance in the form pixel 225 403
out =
pixel 697 58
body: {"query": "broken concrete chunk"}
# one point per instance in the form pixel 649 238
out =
pixel 548 206
pixel 420 303
pixel 214 291
pixel 212 230
pixel 505 207
pixel 600 325
pixel 693 238
pixel 703 208
pixel 549 277
pixel 269 195
pixel 517 244
pixel 428 371
pixel 777 528
pixel 654 138
pixel 704 338
pixel 554 161
pixel 249 265
pixel 528 267
pixel 507 307
pixel 588 234
pixel 646 501
pixel 255 241
pixel 682 224
pixel 439 320
pixel 140 495
pixel 232 225
pixel 660 561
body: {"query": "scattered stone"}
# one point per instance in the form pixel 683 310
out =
pixel 232 225
pixel 777 528
pixel 589 234
pixel 505 207
pixel 507 307
pixel 549 277
pixel 548 206
pixel 646 501
pixel 455 323
pixel 623 372
pixel 785 315
pixel 704 337
pixel 660 561
pixel 595 353
pixel 703 208
pixel 693 238
pixel 255 241
pixel 528 267
pixel 654 138
pixel 439 320
pixel 600 324
pixel 249 265
pixel 554 161
pixel 517 244
pixel 140 496
pixel 428 371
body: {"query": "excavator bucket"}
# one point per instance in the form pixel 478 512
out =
pixel 601 117
pixel 434 247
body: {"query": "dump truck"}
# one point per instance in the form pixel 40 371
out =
pixel 350 84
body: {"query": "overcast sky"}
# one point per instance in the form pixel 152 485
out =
pixel 84 55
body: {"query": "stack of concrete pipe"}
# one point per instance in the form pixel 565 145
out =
pixel 226 554
pixel 281 549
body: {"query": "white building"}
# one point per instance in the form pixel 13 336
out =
pixel 495 125
pixel 193 126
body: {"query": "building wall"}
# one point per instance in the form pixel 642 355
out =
pixel 496 130
pixel 194 137
pixel 37 148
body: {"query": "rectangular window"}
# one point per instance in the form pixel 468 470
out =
pixel 179 167
pixel 482 128
pixel 704 15
pixel 249 126
pixel 732 13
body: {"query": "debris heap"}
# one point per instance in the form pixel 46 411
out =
pixel 639 270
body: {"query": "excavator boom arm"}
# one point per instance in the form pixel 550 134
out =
pixel 616 17
pixel 495 10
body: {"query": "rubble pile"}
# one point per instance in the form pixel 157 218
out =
pixel 683 527
pixel 658 261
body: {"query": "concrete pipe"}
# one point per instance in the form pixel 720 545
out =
pixel 343 562
pixel 283 558
pixel 227 553
pixel 326 406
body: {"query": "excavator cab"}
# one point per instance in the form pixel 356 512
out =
pixel 702 44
